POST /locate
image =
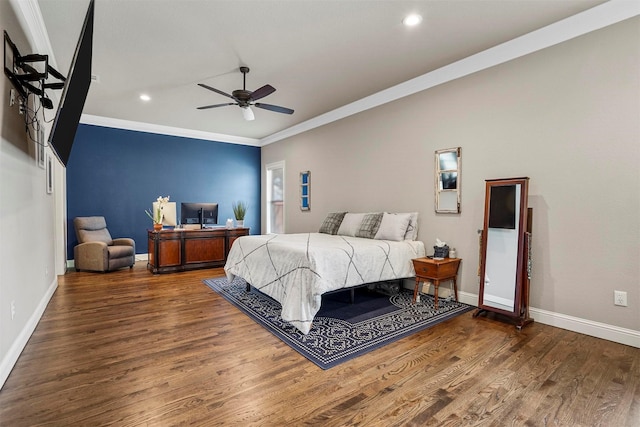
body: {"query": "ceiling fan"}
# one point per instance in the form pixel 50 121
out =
pixel 245 98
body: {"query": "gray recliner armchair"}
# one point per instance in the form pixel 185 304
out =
pixel 96 250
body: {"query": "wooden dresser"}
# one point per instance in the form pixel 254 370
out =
pixel 178 250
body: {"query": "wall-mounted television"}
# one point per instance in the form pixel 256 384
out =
pixel 502 207
pixel 74 92
pixel 202 214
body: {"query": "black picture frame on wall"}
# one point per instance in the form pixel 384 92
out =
pixel 40 143
pixel 49 174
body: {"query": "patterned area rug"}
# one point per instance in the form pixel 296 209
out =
pixel 342 331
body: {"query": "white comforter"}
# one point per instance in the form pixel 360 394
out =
pixel 296 269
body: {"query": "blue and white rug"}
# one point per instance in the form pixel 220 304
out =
pixel 342 331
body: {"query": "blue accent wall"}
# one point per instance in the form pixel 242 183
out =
pixel 119 173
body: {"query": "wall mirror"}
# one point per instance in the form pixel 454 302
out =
pixel 505 256
pixel 447 180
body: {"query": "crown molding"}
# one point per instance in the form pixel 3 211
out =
pixel 596 18
pixel 166 130
pixel 30 17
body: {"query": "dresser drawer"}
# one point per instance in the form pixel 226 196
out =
pixel 436 269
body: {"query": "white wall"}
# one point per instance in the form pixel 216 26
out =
pixel 29 221
pixel 568 117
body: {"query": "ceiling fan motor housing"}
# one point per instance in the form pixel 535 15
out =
pixel 243 96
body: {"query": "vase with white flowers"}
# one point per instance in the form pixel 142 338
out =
pixel 157 214
pixel 239 211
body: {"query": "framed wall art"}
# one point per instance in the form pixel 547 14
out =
pixel 305 190
pixel 40 143
pixel 49 174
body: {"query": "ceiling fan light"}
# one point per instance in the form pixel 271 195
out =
pixel 247 113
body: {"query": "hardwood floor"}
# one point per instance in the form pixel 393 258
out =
pixel 129 348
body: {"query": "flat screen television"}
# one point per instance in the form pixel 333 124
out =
pixel 502 207
pixel 74 92
pixel 203 214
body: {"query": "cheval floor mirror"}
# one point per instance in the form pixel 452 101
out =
pixel 505 251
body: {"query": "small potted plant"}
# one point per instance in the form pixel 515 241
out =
pixel 239 211
pixel 157 214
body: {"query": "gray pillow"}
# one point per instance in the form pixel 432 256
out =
pixel 332 222
pixel 369 225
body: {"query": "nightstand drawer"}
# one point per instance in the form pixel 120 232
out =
pixel 436 269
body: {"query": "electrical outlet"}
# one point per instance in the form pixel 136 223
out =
pixel 620 298
pixel 13 309
pixel 12 97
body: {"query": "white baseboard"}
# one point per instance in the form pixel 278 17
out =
pixel 9 361
pixel 583 326
pixel 139 257
pixel 142 257
pixel 587 327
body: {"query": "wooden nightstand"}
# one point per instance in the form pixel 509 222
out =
pixel 436 271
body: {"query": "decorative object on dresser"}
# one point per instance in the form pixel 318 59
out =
pixel 448 171
pixel 185 249
pixel 436 271
pixel 158 213
pixel 96 250
pixel 505 255
pixel 239 211
pixel 342 329
pixel 441 250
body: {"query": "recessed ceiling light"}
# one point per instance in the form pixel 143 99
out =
pixel 412 20
pixel 145 97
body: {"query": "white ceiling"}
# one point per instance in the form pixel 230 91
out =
pixel 319 55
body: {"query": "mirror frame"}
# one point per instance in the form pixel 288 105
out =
pixel 439 187
pixel 520 312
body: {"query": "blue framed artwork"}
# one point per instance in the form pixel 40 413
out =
pixel 305 191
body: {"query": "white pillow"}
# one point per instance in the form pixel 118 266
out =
pixel 393 226
pixel 412 228
pixel 351 224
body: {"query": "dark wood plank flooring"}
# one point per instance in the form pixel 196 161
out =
pixel 130 348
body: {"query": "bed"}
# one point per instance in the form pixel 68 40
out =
pixel 296 269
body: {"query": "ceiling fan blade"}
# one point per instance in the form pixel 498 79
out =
pixel 275 108
pixel 262 92
pixel 215 90
pixel 217 105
